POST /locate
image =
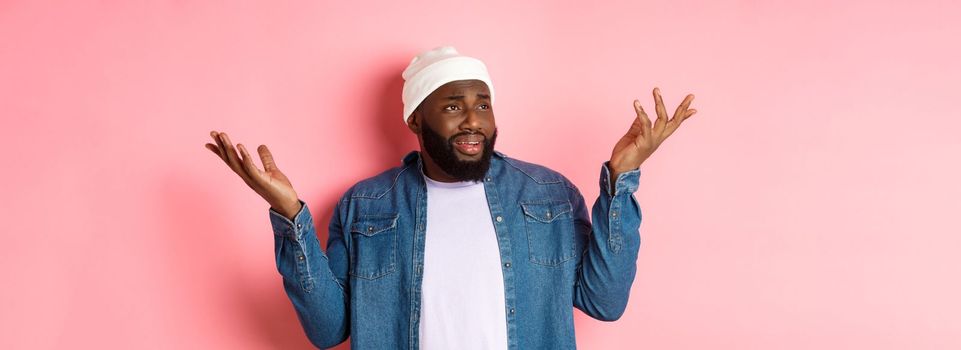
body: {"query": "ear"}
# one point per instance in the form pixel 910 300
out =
pixel 413 122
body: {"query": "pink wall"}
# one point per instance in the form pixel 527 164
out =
pixel 811 203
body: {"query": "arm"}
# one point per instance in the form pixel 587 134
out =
pixel 608 264
pixel 314 281
pixel 318 294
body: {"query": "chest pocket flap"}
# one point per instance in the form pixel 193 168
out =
pixel 550 231
pixel 547 211
pixel 370 225
pixel 373 251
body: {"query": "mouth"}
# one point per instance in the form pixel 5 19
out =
pixel 470 145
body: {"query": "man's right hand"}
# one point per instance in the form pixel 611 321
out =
pixel 270 183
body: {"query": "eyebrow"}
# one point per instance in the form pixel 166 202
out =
pixel 461 97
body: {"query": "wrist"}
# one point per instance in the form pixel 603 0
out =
pixel 617 168
pixel 615 171
pixel 289 210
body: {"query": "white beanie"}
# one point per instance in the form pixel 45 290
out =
pixel 431 69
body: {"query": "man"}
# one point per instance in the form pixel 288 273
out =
pixel 461 246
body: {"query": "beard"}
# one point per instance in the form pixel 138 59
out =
pixel 444 155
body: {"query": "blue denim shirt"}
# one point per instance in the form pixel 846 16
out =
pixel 367 284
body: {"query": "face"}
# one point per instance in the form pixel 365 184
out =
pixel 456 130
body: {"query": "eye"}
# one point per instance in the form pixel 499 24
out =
pixel 450 107
pixel 485 106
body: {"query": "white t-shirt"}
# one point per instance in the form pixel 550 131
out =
pixel 462 296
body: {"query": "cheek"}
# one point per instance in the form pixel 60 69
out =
pixel 449 128
pixel 490 124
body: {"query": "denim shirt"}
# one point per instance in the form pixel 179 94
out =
pixel 367 284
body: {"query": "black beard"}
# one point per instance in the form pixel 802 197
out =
pixel 443 153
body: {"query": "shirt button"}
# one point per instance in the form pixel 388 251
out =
pixel 300 257
pixel 370 229
pixel 614 214
pixel 512 310
pixel 299 225
pixel 488 179
pixel 548 215
pixel 499 219
pixel 507 265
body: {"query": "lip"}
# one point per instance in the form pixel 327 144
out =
pixel 469 145
pixel 470 138
pixel 469 149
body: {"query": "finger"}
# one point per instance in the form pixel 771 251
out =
pixel 645 120
pixel 266 158
pixel 677 120
pixel 670 130
pixel 682 108
pixel 234 160
pixel 667 133
pixel 661 113
pixel 637 125
pixel 215 149
pixel 248 161
pixel 659 105
pixel 255 173
pixel 679 116
pixel 634 132
pixel 638 109
pixel 220 146
pixel 229 150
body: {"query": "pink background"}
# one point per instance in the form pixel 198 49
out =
pixel 811 203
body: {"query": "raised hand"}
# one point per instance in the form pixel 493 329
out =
pixel 641 139
pixel 270 183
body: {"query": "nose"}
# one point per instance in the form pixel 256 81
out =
pixel 472 122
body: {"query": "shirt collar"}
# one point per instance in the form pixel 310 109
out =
pixel 413 156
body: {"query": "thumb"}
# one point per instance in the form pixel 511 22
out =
pixel 637 127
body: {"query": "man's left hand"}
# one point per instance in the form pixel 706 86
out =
pixel 641 139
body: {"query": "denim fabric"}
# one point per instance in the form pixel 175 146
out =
pixel 367 283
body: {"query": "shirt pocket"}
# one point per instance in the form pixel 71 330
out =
pixel 373 246
pixel 550 231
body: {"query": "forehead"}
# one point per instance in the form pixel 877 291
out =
pixel 461 87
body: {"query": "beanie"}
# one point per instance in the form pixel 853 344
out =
pixel 433 68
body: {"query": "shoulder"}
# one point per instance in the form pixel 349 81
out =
pixel 538 173
pixel 542 175
pixel 377 186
